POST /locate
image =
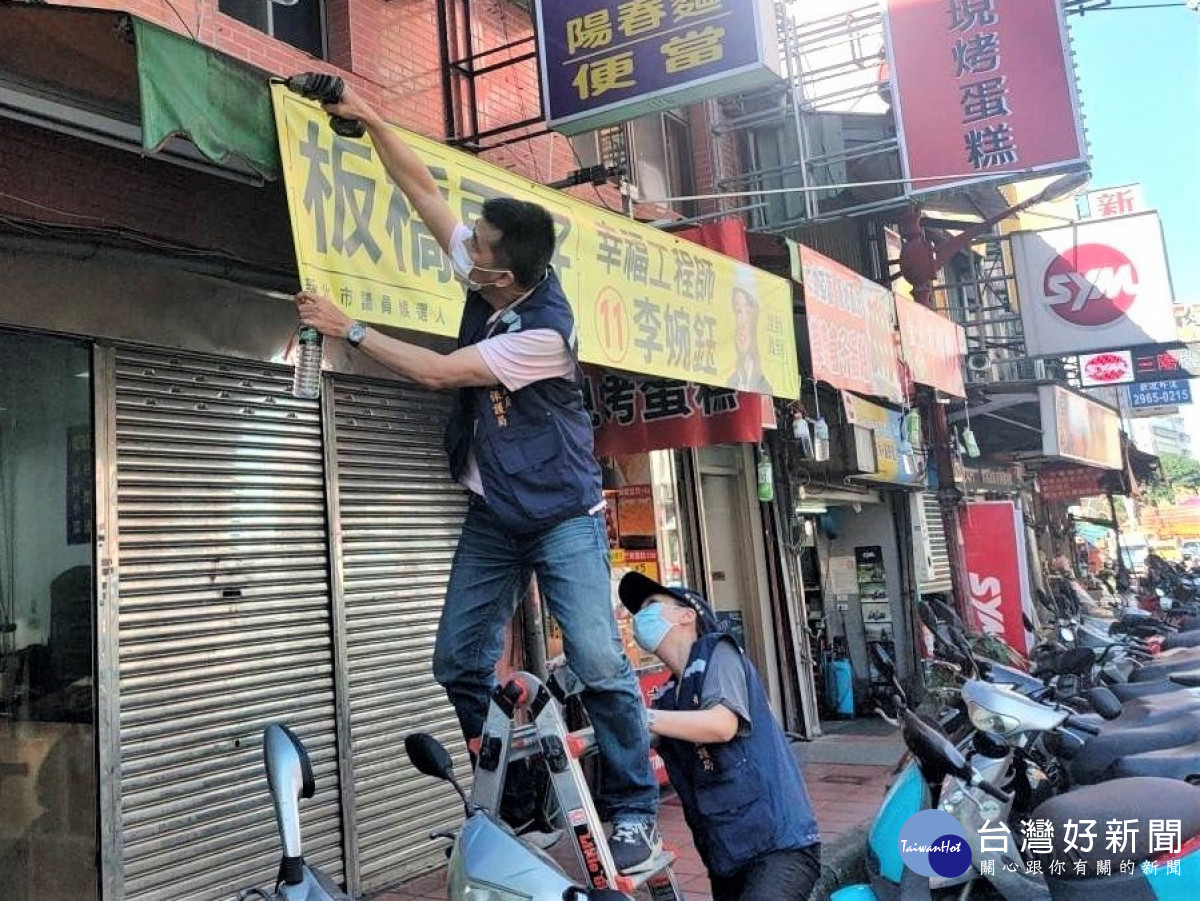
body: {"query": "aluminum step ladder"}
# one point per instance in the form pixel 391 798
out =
pixel 547 739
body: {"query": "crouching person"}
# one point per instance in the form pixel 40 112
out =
pixel 742 792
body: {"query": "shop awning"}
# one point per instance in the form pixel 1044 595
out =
pixel 113 78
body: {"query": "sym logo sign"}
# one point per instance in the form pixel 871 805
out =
pixel 1091 285
pixel 1109 368
pixel 995 549
pixel 987 601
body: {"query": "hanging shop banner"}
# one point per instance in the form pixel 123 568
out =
pixel 633 415
pixel 1153 363
pixel 1078 428
pixel 851 328
pixel 1157 395
pixel 644 301
pixel 1069 483
pixel 1108 202
pixel 887 427
pixel 1187 321
pixel 933 347
pixel 1094 286
pixel 1112 367
pixel 994 553
pixel 982 90
pixel 608 61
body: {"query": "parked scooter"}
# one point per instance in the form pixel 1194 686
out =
pixel 290 779
pixel 958 780
pixel 486 859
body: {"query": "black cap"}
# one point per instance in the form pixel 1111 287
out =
pixel 635 588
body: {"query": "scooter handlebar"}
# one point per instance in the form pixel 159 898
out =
pixel 999 794
pixel 1080 726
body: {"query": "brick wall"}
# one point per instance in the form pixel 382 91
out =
pixel 389 50
pixel 67 181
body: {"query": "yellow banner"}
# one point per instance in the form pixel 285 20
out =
pixel 644 302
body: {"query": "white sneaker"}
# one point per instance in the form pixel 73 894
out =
pixel 635 845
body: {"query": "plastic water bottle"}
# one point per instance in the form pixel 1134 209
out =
pixel 766 476
pixel 306 382
pixel 820 440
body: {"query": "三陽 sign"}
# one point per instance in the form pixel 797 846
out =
pixel 609 61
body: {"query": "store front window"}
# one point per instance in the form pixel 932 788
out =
pixel 48 807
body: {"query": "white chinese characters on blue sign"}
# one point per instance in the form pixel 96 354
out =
pixel 1166 393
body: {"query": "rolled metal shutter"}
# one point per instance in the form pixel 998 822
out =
pixel 224 621
pixel 939 551
pixel 400 516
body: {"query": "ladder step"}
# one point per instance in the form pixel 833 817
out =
pixel 661 862
pixel 581 741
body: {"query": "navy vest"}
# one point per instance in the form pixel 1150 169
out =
pixel 534 447
pixel 742 798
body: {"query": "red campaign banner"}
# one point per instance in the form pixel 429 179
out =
pixel 851 324
pixel 982 88
pixel 994 571
pixel 933 347
pixel 632 415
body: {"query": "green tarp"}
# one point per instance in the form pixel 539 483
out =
pixel 219 104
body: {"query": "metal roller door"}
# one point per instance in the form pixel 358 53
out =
pixel 400 517
pixel 938 579
pixel 224 620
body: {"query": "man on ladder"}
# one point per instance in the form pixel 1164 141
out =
pixel 520 440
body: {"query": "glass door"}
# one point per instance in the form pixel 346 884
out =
pixel 48 791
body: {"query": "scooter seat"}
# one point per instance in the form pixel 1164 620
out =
pixel 1145 711
pixel 1155 709
pixel 1140 799
pixel 1181 640
pixel 1166 663
pixel 1094 760
pixel 1169 763
pixel 1190 679
pixel 1128 691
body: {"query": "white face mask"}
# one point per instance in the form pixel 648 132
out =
pixel 462 264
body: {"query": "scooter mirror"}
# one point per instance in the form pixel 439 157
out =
pixel 927 616
pixel 932 747
pixel 1078 661
pixel 290 778
pixel 882 660
pixel 428 755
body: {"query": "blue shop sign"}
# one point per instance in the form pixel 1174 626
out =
pixel 609 61
pixel 1164 393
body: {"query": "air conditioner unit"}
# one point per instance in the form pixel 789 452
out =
pixel 862 453
pixel 979 362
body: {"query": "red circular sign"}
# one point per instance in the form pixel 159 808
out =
pixel 1091 285
pixel 1105 368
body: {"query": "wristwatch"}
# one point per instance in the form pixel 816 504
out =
pixel 355 334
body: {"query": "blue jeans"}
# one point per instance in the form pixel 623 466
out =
pixel 490 568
